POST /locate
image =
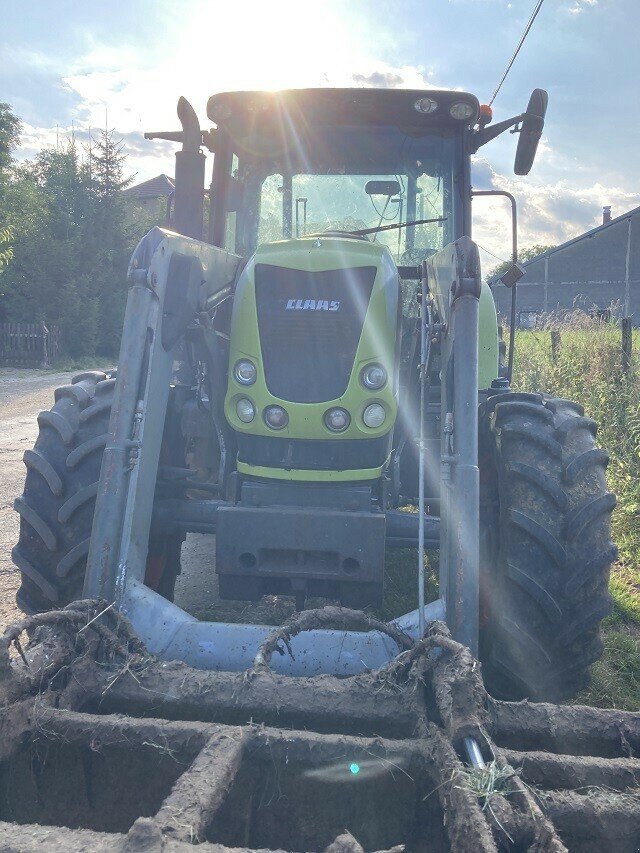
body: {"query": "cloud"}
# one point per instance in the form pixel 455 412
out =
pixel 397 77
pixel 579 6
pixel 547 213
pixel 379 79
pixel 38 92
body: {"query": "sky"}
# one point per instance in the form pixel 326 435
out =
pixel 84 63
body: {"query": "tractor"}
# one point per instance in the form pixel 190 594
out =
pixel 311 373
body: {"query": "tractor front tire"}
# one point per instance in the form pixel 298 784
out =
pixel 545 546
pixel 56 508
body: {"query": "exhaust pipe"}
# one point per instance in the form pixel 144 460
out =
pixel 188 205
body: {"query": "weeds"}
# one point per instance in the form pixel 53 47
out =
pixel 487 781
pixel 588 370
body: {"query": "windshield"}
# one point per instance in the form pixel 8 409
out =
pixel 346 179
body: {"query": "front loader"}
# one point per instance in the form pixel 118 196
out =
pixel 317 379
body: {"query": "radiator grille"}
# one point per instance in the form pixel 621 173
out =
pixel 310 325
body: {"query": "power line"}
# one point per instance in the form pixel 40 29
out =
pixel 517 50
pixel 489 252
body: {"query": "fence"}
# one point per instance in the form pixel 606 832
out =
pixel 29 344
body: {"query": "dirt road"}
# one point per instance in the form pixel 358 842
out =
pixel 23 393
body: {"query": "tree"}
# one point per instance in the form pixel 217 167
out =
pixel 524 255
pixel 66 234
pixel 10 130
pixel 112 236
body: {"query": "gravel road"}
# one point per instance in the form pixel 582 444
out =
pixel 25 393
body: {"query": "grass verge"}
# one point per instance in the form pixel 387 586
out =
pixel 587 369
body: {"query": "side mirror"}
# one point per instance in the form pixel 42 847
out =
pixel 531 131
pixel 387 188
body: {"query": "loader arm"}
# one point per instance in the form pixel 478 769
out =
pixel 455 283
pixel 172 278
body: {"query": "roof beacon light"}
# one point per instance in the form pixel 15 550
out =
pixel 425 106
pixel 461 111
pixel 486 114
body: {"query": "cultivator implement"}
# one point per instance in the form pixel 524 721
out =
pixel 104 747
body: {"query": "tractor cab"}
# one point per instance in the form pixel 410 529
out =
pixel 312 161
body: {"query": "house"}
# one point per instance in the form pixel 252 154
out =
pixel 162 186
pixel 592 272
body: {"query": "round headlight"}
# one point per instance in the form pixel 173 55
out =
pixel 425 105
pixel 461 111
pixel 245 372
pixel 373 377
pixel 245 410
pixel 337 420
pixel 374 415
pixel 275 417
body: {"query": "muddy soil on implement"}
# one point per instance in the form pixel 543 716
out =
pixel 103 747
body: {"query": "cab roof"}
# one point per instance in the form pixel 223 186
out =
pixel 338 107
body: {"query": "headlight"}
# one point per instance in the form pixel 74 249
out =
pixel 245 372
pixel 374 415
pixel 245 410
pixel 275 417
pixel 373 377
pixel 425 105
pixel 337 420
pixel 461 111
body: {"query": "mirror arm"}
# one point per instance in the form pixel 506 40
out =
pixel 486 134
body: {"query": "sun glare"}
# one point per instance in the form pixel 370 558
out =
pixel 254 45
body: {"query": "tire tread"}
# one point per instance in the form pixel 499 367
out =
pixel 544 578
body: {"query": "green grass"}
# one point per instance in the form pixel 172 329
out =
pixel 615 678
pixel 588 371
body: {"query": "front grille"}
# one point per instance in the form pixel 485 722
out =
pixel 313 455
pixel 310 325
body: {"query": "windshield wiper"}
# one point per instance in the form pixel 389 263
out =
pixel 361 232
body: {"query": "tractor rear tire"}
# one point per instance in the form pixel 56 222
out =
pixel 546 549
pixel 56 508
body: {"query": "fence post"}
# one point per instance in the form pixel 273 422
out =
pixel 555 344
pixel 625 352
pixel 45 349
